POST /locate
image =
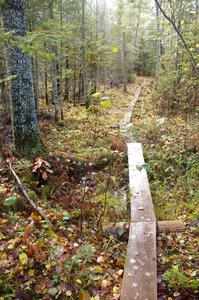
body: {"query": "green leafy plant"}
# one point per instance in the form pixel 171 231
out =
pixel 10 201
pixel 175 278
pixel 83 255
pixel 106 104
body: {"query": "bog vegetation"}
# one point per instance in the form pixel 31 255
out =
pixel 68 71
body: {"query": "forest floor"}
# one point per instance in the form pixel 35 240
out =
pixel 82 185
pixel 173 172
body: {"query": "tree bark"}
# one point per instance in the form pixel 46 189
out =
pixel 138 23
pixel 54 69
pixel 124 62
pixel 55 90
pixel 74 82
pixel 66 87
pixel 158 42
pixel 26 134
pixel 197 9
pixel 85 79
pixel 46 78
pixel 61 68
pixel 4 98
pixel 95 67
pixel 35 83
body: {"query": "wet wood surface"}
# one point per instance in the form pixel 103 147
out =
pixel 141 202
pixel 140 274
pixel 127 117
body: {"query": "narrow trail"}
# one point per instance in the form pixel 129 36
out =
pixel 141 260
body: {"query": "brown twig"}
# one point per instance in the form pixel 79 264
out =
pixel 27 197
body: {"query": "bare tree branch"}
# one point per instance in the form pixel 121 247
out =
pixel 193 62
pixel 26 196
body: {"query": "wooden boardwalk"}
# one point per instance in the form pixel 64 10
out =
pixel 140 274
pixel 127 117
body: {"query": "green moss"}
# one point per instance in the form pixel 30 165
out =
pixel 30 146
pixel 46 191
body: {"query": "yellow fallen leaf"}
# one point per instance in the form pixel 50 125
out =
pixel 48 266
pixel 97 269
pixel 68 293
pixel 116 289
pixel 120 272
pixel 3 256
pixel 31 272
pixel 1 238
pixel 23 258
pixel 85 295
pixel 21 270
pixel 78 281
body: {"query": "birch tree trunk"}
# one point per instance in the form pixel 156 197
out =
pixel 26 134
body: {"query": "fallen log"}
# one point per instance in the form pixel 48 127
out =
pixel 170 226
pixel 85 165
pixel 120 230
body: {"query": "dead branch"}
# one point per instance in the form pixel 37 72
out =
pixel 26 196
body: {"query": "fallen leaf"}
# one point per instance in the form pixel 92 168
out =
pixel 23 258
pixel 52 291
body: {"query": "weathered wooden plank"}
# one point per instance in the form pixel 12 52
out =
pixel 127 117
pixel 141 203
pixel 140 275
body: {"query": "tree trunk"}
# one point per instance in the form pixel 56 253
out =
pixel 138 23
pixel 197 9
pixel 66 87
pixel 25 128
pixel 46 84
pixel 61 68
pixel 35 83
pixel 74 82
pixel 4 98
pixel 55 90
pixel 85 83
pixel 95 68
pixel 55 83
pixel 46 79
pixel 158 41
pixel 124 62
